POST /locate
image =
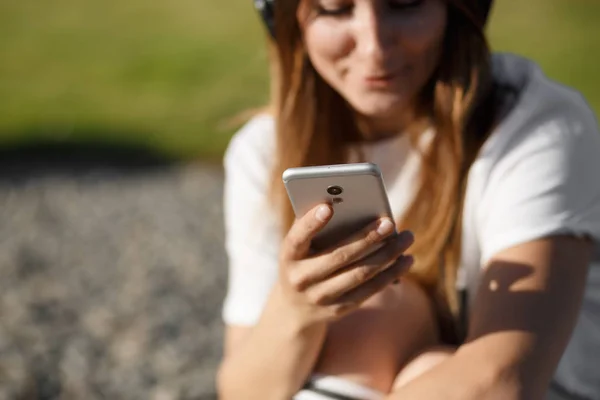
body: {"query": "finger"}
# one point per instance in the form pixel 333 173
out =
pixel 379 282
pixel 296 244
pixel 332 290
pixel 375 248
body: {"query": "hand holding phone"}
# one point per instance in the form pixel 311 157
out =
pixel 327 282
pixel 355 191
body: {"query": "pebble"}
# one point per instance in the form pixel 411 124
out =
pixel 111 283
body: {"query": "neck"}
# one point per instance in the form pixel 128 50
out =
pixel 378 128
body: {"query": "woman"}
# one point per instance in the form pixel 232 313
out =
pixel 491 170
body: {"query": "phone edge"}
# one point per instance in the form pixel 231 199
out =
pixel 330 170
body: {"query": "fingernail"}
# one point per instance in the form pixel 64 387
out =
pixel 407 261
pixel 323 213
pixel 407 237
pixel 385 227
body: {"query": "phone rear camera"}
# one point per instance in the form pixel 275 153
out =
pixel 335 190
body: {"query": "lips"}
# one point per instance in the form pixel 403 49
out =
pixel 381 80
pixel 384 77
pixel 376 73
pixel 381 77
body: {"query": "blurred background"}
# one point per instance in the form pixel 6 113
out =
pixel 113 119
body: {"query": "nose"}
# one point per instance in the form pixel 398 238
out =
pixel 375 33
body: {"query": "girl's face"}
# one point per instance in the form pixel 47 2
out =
pixel 378 54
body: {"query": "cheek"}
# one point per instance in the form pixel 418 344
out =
pixel 333 48
pixel 422 37
pixel 327 47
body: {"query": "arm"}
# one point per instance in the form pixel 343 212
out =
pixel 273 358
pixel 524 313
pixel 268 352
pixel 539 186
pixel 281 288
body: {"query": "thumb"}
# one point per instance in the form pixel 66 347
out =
pixel 297 242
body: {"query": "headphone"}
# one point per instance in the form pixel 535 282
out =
pixel 266 9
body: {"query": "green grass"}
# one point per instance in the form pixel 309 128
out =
pixel 562 35
pixel 170 74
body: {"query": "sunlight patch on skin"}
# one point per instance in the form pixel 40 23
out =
pixel 494 286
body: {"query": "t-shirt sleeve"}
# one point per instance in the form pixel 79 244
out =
pixel 252 235
pixel 547 182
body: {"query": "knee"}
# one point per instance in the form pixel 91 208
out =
pixel 421 364
pixel 417 304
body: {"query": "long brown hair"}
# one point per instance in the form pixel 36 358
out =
pixel 314 123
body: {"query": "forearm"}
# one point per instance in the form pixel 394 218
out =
pixel 487 370
pixel 454 380
pixel 523 316
pixel 276 358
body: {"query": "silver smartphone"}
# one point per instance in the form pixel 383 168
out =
pixel 356 192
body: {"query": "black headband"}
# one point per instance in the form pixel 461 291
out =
pixel 485 8
pixel 267 12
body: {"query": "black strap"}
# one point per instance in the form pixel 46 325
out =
pixel 463 313
pixel 267 12
pixel 334 396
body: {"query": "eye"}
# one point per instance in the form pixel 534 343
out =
pixel 333 9
pixel 341 10
pixel 405 4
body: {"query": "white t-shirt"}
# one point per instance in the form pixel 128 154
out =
pixel 537 174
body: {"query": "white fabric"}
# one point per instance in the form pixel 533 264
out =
pixel 252 232
pixel 538 174
pixel 342 387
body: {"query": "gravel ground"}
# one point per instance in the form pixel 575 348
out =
pixel 111 281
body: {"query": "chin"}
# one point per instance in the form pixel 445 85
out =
pixel 378 105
